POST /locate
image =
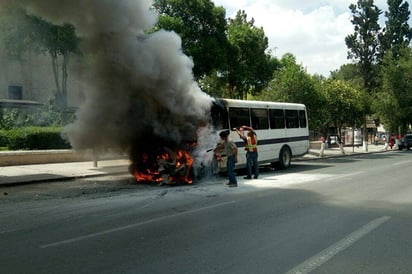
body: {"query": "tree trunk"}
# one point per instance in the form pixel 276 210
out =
pixel 339 138
pixel 64 79
pixel 55 65
pixel 65 114
pixel 365 136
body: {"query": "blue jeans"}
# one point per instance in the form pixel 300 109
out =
pixel 252 160
pixel 231 169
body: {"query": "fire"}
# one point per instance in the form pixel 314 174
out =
pixel 168 167
pixel 147 176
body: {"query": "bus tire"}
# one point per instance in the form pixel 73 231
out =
pixel 285 157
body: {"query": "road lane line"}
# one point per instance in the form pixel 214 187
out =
pixel 314 262
pixel 401 163
pixel 121 228
pixel 341 176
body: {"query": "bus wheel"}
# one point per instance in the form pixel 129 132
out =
pixel 285 157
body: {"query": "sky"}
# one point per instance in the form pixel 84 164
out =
pixel 313 31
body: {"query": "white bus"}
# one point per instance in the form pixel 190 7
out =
pixel 281 128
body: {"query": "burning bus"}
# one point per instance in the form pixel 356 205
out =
pixel 282 131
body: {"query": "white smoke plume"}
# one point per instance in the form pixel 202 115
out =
pixel 139 88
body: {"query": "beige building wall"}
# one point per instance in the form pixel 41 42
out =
pixel 34 74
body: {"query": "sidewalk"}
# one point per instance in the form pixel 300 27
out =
pixel 349 150
pixel 24 174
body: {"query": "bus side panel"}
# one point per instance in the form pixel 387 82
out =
pixel 298 140
pixel 269 144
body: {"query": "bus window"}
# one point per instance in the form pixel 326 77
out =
pixel 219 117
pixel 292 118
pixel 239 117
pixel 277 118
pixel 260 119
pixel 302 118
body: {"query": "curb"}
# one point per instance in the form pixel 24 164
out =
pixel 59 178
pixel 339 155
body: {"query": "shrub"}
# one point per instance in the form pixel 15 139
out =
pixel 31 138
pixel 4 140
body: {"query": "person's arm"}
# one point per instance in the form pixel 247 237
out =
pixel 249 128
pixel 238 132
pixel 235 150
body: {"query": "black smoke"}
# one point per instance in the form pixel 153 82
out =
pixel 139 88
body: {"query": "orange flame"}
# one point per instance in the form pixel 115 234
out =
pixel 180 162
pixel 148 176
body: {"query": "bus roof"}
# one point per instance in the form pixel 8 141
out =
pixel 259 104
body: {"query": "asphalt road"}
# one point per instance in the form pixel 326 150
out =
pixel 342 215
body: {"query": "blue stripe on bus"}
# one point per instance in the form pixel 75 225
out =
pixel 276 140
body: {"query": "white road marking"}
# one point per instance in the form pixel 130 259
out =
pixel 290 179
pixel 121 228
pixel 326 254
pixel 7 231
pixel 283 180
pixel 340 176
pixel 401 163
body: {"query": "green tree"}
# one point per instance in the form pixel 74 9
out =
pixel 59 42
pixel 393 103
pixel 348 72
pixel 250 65
pixel 214 84
pixel 345 104
pixel 202 27
pixel 291 83
pixel 395 37
pixel 363 44
pixel 22 33
pixel 16 32
pixel 397 34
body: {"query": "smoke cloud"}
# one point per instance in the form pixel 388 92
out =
pixel 140 91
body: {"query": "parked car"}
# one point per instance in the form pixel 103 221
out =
pixel 333 139
pixel 406 142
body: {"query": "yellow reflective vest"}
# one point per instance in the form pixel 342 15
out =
pixel 251 143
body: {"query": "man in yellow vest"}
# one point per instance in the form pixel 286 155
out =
pixel 251 151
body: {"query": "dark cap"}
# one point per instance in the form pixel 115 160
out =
pixel 224 133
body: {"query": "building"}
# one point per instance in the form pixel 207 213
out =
pixel 29 83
